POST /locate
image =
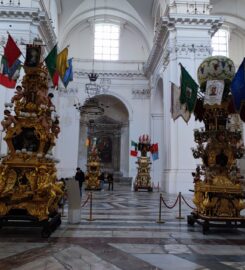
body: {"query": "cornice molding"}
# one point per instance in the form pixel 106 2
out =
pixel 170 23
pixel 33 16
pixel 80 74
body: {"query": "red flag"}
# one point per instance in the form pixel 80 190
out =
pixel 5 81
pixel 154 148
pixel 11 51
pixel 133 153
pixel 55 79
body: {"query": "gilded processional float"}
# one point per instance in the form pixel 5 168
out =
pixel 92 178
pixel 28 181
pixel 143 177
pixel 218 193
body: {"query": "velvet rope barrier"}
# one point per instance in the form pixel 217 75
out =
pixel 187 202
pixel 86 201
pixel 170 207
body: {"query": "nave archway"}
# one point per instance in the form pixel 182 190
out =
pixel 111 131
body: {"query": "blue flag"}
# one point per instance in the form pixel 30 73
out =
pixel 238 86
pixel 13 71
pixel 155 156
pixel 68 76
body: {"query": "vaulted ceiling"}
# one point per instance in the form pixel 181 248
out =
pixel 137 13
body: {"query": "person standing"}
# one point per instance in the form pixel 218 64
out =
pixel 110 181
pixel 102 180
pixel 80 177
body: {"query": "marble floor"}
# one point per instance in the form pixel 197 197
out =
pixel 124 235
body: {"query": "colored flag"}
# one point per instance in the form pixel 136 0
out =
pixel 87 142
pixel 238 86
pixel 134 144
pixel 189 87
pixel 68 74
pixel 9 76
pixel 50 61
pixel 11 51
pixel 214 92
pixel 178 109
pixel 134 153
pixel 155 156
pixel 62 63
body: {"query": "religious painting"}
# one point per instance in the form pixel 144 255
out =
pixel 104 146
pixel 33 54
pixel 214 92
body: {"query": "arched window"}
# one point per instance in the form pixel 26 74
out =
pixel 106 41
pixel 220 42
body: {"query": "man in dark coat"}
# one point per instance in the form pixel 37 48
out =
pixel 80 177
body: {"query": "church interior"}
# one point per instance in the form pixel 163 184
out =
pixel 122 134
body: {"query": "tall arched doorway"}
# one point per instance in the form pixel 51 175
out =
pixel 112 136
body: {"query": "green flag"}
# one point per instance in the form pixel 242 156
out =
pixel 189 89
pixel 50 61
pixel 134 144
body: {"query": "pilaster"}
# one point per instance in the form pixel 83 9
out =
pixel 183 36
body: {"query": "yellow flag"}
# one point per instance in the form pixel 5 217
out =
pixel 62 63
pixel 87 142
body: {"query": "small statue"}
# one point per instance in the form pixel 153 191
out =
pixel 41 98
pixel 197 175
pixel 8 120
pixel 19 94
pixel 45 122
pixel 50 103
pixel 55 128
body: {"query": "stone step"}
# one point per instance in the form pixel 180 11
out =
pixel 124 180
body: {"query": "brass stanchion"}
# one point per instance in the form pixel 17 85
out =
pixel 90 207
pixel 180 217
pixel 160 211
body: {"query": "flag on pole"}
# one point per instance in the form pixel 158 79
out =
pixel 9 76
pixel 62 63
pixel 134 152
pixel 189 87
pixel 50 61
pixel 87 142
pixel 11 51
pixel 154 151
pixel 178 109
pixel 68 74
pixel 238 86
pixel 155 156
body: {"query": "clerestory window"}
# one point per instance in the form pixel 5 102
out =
pixel 106 41
pixel 220 43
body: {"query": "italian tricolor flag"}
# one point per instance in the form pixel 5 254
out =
pixel 134 152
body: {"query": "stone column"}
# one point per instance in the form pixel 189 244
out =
pixel 189 28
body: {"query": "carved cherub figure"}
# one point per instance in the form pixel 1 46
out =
pixel 8 120
pixel 50 103
pixel 19 94
pixel 55 128
pixel 45 122
pixel 41 98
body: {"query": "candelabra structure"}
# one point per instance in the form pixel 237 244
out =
pixel 143 177
pixel 28 181
pixel 92 180
pixel 218 194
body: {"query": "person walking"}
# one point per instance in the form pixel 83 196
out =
pixel 80 177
